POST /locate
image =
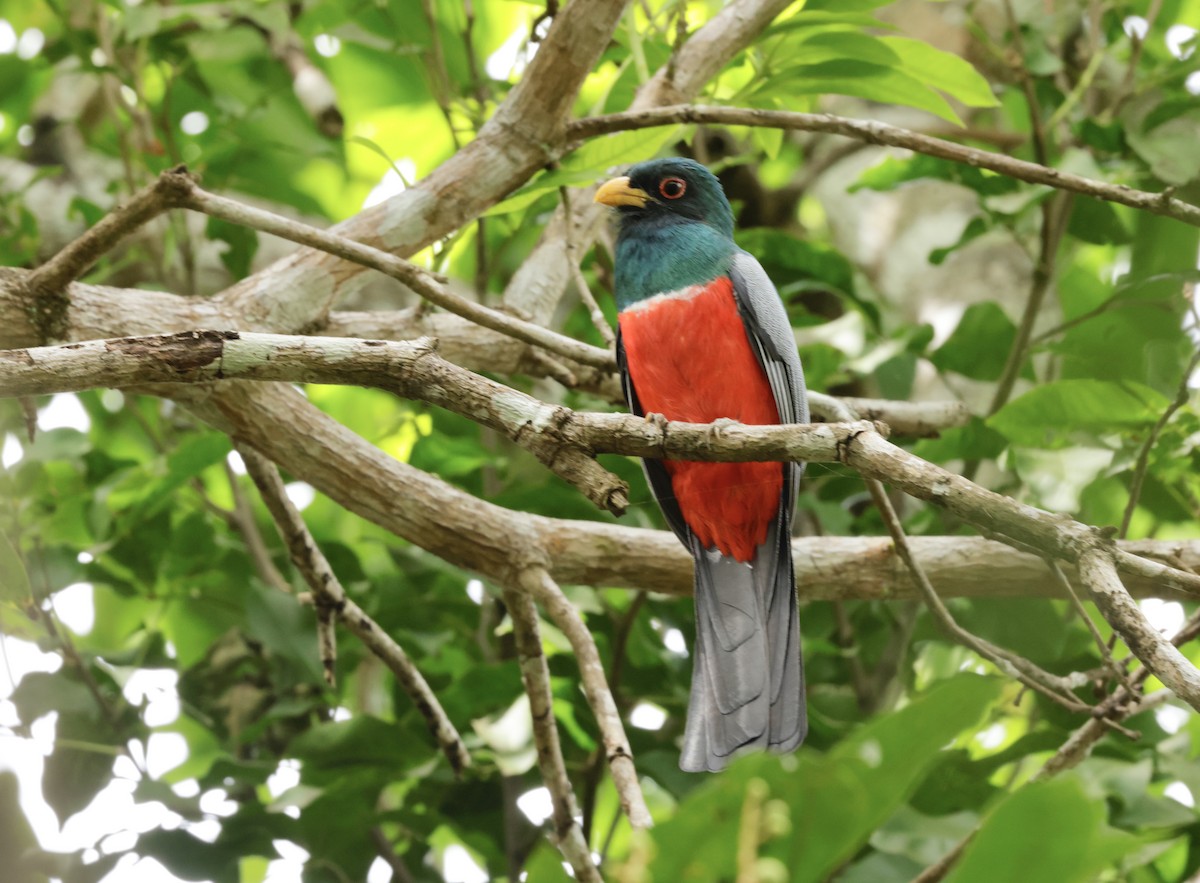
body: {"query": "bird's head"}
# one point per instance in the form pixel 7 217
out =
pixel 668 192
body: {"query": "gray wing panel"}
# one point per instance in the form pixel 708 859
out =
pixel 771 335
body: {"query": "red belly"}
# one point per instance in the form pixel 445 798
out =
pixel 690 360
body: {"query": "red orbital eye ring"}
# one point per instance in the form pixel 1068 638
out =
pixel 672 188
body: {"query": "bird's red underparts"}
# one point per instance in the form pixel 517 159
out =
pixel 690 360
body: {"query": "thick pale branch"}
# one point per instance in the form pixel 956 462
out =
pixel 411 369
pixel 873 132
pixel 595 686
pixel 563 439
pixel 330 596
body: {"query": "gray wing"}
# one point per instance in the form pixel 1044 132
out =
pixel 770 334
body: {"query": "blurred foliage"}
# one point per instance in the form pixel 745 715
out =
pixel 915 741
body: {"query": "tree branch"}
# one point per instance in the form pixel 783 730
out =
pixel 891 136
pixel 331 597
pixel 535 674
pixel 538 582
pixel 1159 655
pixel 1054 687
pixel 563 439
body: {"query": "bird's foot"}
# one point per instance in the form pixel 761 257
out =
pixel 659 420
pixel 721 424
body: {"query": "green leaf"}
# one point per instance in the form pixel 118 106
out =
pixel 1052 415
pixel 815 47
pixel 871 81
pixel 943 70
pixel 1046 832
pixel 242 244
pixel 980 344
pixel 1097 221
pixel 834 801
pixel 620 149
pixel 1169 149
pixel 361 743
pixel 893 171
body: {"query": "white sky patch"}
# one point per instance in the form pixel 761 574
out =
pixel 25 135
pixel 186 788
pixel 12 452
pixel 285 777
pixel 164 752
pixel 1192 83
pixel 131 869
pixel 99 59
pixel 1171 718
pixel 217 803
pixel 74 607
pixel 1166 616
pixel 459 867
pixel 129 95
pixel 1135 27
pixel 1177 38
pixel 512 56
pixel 392 182
pixel 673 640
pixel 944 318
pixel 30 43
pixel 327 45
pixel 8 37
pixel 113 400
pixel 536 804
pixel 156 688
pixel 194 122
pixel 85 557
pixel 236 463
pixel 475 590
pixel 341 713
pixel 289 866
pixel 300 493
pixel 647 716
pixel 207 830
pixel 64 411
pixel 1180 793
pixel 379 872
pixel 992 737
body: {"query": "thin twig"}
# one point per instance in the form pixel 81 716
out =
pixel 595 686
pixel 891 136
pixel 1111 665
pixel 420 280
pixel 328 592
pixel 1052 686
pixel 535 675
pixel 242 520
pixel 1055 214
pixel 47 284
pixel 585 292
pixel 1182 396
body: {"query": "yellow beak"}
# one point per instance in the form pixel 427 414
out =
pixel 618 191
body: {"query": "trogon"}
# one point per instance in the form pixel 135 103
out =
pixel 704 336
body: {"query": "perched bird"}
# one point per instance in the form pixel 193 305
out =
pixel 703 336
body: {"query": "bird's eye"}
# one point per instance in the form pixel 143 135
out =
pixel 672 188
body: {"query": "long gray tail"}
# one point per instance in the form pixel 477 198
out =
pixel 747 674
